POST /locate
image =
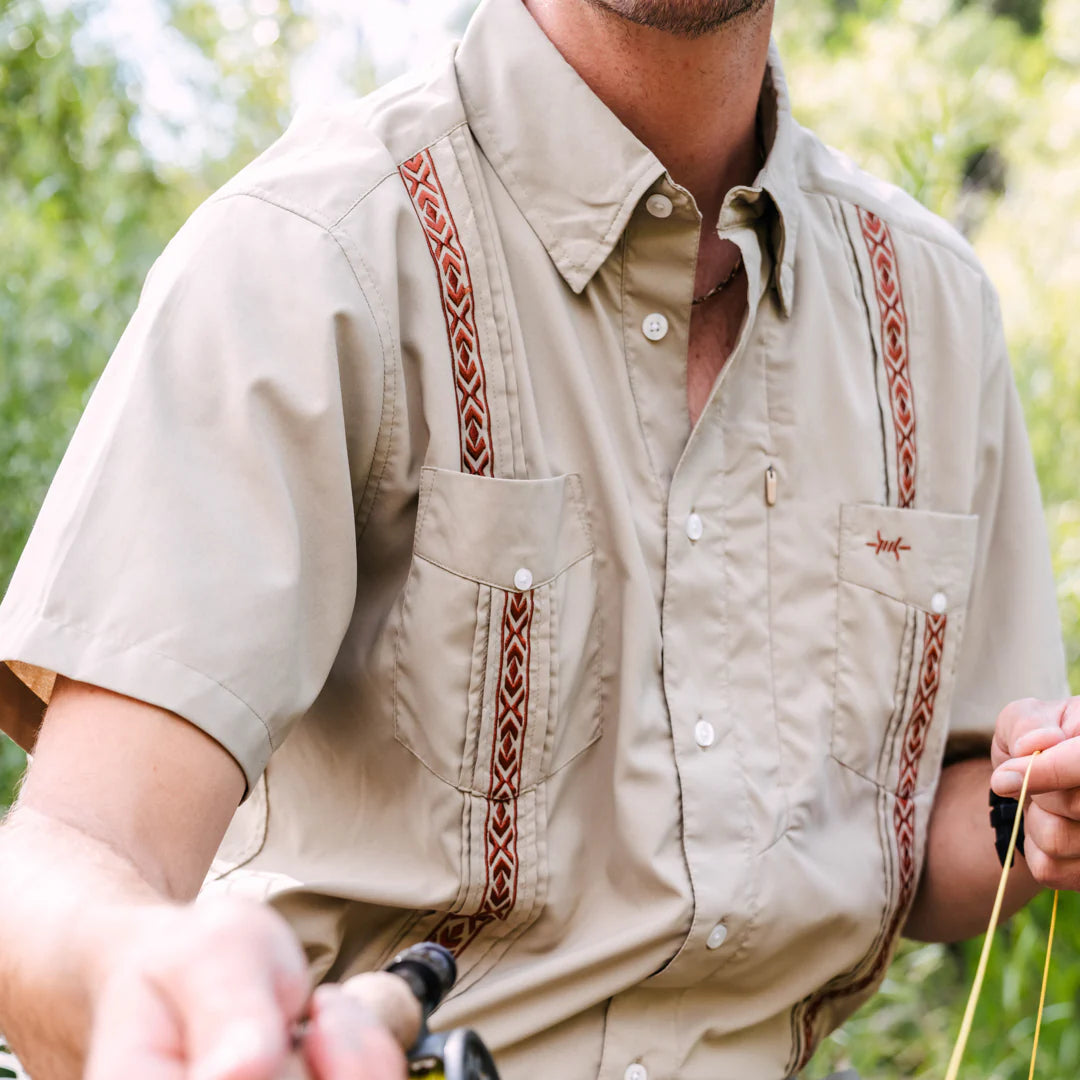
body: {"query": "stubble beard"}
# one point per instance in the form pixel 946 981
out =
pixel 683 18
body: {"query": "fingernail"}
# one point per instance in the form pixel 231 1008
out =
pixel 1008 783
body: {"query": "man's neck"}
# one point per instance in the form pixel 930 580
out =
pixel 693 102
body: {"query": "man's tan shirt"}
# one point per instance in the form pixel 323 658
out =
pixel 645 722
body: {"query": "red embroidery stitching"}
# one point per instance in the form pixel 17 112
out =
pixel 455 932
pixel 891 547
pixel 894 346
pixel 470 381
pixel 922 716
pixel 894 342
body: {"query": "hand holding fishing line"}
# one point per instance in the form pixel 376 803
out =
pixel 1036 755
pixel 1052 819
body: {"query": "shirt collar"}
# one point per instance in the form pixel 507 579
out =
pixel 571 166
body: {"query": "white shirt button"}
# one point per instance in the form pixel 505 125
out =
pixel 654 326
pixel 659 206
pixel 704 734
pixel 523 579
pixel 635 1072
pixel 695 527
pixel 717 937
pixel 938 603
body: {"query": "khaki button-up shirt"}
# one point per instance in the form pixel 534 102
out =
pixel 644 722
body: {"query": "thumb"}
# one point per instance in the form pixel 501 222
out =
pixel 1029 725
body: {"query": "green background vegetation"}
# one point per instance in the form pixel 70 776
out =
pixel 972 107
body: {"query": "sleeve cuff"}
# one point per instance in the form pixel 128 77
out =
pixel 143 674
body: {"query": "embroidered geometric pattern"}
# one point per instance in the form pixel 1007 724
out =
pixel 922 716
pixel 455 932
pixel 470 382
pixel 894 347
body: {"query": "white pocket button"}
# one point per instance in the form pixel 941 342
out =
pixel 523 579
pixel 717 937
pixel 938 603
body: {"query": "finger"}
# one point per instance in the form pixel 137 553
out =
pixel 345 1041
pixel 388 998
pixel 240 996
pixel 1070 722
pixel 295 1068
pixel 1055 769
pixel 1056 836
pixel 1026 726
pixel 1065 804
pixel 1049 872
pixel 135 1034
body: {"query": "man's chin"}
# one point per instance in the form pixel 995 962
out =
pixel 682 18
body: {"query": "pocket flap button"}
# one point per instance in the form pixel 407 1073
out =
pixel 938 603
pixel 717 937
pixel 523 579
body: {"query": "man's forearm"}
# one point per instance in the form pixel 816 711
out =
pixel 961 872
pixel 68 904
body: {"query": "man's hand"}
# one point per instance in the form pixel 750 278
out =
pixel 215 992
pixel 106 971
pixel 1052 816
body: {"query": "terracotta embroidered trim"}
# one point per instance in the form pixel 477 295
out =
pixel 444 242
pixel 889 547
pixel 904 825
pixel 894 349
pixel 504 786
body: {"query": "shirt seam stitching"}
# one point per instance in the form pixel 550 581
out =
pixel 37 615
pixel 313 218
pixel 395 172
pixel 901 222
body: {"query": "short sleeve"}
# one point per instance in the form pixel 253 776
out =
pixel 196 549
pixel 1012 645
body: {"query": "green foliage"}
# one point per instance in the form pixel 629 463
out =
pixel 972 105
pixel 85 209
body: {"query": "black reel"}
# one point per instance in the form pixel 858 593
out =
pixel 430 971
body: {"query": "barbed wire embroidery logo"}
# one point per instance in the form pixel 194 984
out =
pixel 888 547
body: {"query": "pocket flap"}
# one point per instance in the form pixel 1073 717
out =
pixel 918 557
pixel 488 529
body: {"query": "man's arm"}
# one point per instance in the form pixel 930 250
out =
pixel 961 872
pixel 120 815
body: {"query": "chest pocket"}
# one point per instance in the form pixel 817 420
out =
pixel 496 682
pixel 904 579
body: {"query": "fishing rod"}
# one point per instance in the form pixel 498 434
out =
pixel 430 971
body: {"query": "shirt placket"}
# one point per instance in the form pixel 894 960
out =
pixel 702 698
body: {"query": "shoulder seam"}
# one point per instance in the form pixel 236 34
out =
pixel 427 146
pixel 380 319
pixel 903 222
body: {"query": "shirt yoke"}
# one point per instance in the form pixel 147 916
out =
pixel 332 158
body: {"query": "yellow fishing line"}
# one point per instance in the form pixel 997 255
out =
pixel 1042 992
pixel 980 971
